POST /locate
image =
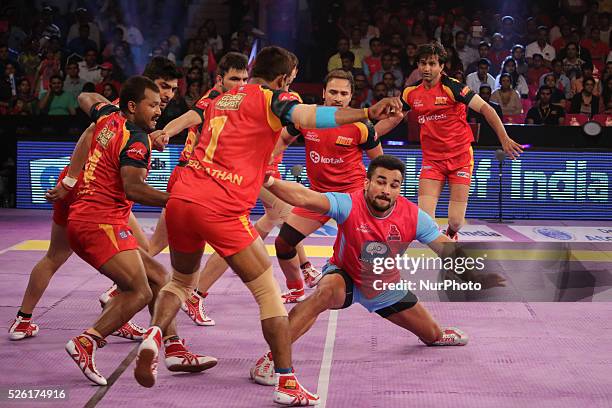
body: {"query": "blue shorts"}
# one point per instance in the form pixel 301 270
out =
pixel 385 304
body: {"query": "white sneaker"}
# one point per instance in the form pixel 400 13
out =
pixel 451 336
pixel 289 391
pixel 82 350
pixel 106 296
pixel 22 327
pixel 312 276
pixel 263 370
pixel 145 371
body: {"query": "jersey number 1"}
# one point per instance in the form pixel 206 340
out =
pixel 216 127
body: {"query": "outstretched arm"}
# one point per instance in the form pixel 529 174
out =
pixel 298 195
pixel 88 100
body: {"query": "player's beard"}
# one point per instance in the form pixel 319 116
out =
pixel 375 203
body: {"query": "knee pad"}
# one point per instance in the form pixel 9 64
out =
pixel 181 285
pixel 287 240
pixel 267 294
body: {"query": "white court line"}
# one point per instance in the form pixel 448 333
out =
pixel 5 250
pixel 326 363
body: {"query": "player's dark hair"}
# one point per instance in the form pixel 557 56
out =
pixel 386 161
pixel 161 67
pixel 294 59
pixel 340 74
pixel 429 50
pixel 271 62
pixel 232 60
pixel 134 90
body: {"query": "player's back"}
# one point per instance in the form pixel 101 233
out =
pixel 227 167
pixel 115 142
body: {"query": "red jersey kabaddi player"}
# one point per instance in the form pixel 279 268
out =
pixel 440 105
pixel 165 75
pixel 211 200
pixel 334 162
pixel 375 222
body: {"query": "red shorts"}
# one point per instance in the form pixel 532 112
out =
pixel 173 177
pixel 302 212
pixel 457 169
pixel 61 207
pixel 191 226
pixel 96 244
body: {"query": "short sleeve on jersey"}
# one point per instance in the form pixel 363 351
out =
pixel 100 110
pixel 427 229
pixel 459 92
pixel 340 205
pixel 280 104
pixel 137 150
pixel 405 93
pixel 368 135
pixel 203 102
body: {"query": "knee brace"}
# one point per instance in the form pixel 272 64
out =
pixel 287 240
pixel 267 293
pixel 181 285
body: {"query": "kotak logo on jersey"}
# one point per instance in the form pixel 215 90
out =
pixel 137 151
pixel 424 118
pixel 312 136
pixel 317 158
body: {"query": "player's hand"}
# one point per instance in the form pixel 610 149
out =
pixel 385 108
pixel 160 140
pixel 56 193
pixel 512 149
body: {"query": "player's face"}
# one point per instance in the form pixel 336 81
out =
pixel 430 68
pixel 233 78
pixel 167 89
pixel 337 92
pixel 382 189
pixel 148 110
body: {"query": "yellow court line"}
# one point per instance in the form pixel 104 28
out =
pixel 325 251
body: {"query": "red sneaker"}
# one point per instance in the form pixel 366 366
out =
pixel 194 307
pixel 289 391
pixel 451 336
pixel 106 296
pixel 22 327
pixel 130 331
pixel 82 349
pixel 145 371
pixel 178 358
pixel 312 275
pixel 263 370
pixel 293 296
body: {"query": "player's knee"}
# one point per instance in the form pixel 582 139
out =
pixel 283 249
pixel 324 297
pixel 145 295
pixel 181 285
pixel 267 294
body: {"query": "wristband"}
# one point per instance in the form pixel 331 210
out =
pixel 269 182
pixel 69 182
pixel 366 112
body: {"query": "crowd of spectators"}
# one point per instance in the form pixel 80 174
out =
pixel 539 59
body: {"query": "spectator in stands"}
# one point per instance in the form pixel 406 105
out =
pixel 8 86
pixel 195 74
pixel 380 92
pixel 558 97
pixel 572 62
pixel 536 71
pixel 348 62
pixel 196 62
pixel 116 39
pixel 363 94
pixel 387 66
pixel 372 64
pixel 73 83
pixel 25 95
pixel 562 81
pixel 89 69
pixel 408 62
pixel 49 28
pixel 531 33
pixel 106 72
pixel 56 101
pixel 390 82
pixel 334 61
pixel 577 83
pixel 542 47
pixel 606 92
pixel 483 52
pixel 82 43
pixel 396 44
pixel 131 33
pixel 419 34
pixel 28 59
pixel 83 17
pixel 123 62
pixel 497 53
pixel 453 62
pixel 195 49
pixel 164 46
pixel 518 82
pixel 518 53
pixel 194 92
pixel 466 54
pixel 213 39
pixel 368 31
pixel 604 27
pixel 482 76
pixel 5 58
pixel 599 49
pixel 448 24
pixel 48 67
pixel 508 98
pixel 109 91
pixel 543 112
pixel 476 117
pixel 585 102
pixel 508 30
pixel 359 52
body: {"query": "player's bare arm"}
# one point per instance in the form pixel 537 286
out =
pixel 88 100
pixel 176 126
pixel 512 149
pixel 283 142
pixel 137 190
pixel 298 195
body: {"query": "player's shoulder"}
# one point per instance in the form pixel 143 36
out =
pixel 411 88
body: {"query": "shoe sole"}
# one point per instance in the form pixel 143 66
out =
pixel 210 323
pixel 20 337
pixel 142 372
pixel 296 300
pixel 179 368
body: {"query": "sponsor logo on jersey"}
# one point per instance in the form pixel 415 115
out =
pixel 312 136
pixel 463 174
pixel 104 136
pixel 441 100
pixel 230 102
pixel 137 151
pixel 435 117
pixel 394 233
pixel 317 158
pixel 365 228
pixel 417 103
pixel 344 141
pixel 288 96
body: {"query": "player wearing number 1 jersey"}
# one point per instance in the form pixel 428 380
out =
pixel 210 203
pixel 440 106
